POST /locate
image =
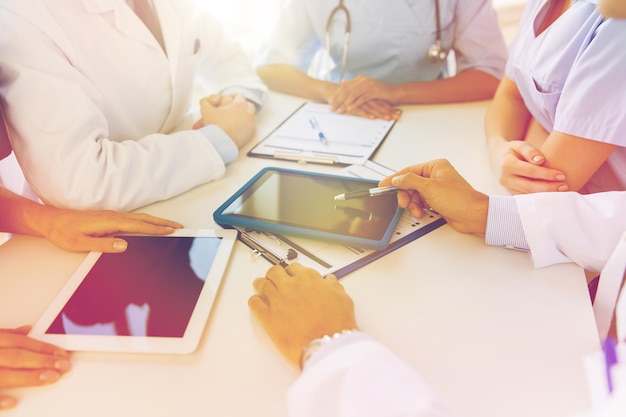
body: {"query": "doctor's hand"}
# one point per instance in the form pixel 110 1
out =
pixel 82 231
pixel 355 93
pixel 233 114
pixel 437 185
pixel 28 362
pixel 519 167
pixel 296 305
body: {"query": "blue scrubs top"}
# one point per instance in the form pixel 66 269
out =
pixel 389 38
pixel 572 78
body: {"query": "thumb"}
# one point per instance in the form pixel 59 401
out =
pixel 7 402
pixel 530 153
pixel 98 244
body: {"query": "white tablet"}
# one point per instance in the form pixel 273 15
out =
pixel 155 297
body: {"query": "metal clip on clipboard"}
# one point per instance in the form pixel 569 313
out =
pixel 261 249
pixel 304 159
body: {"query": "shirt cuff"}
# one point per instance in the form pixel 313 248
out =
pixel 336 344
pixel 504 224
pixel 222 143
pixel 254 96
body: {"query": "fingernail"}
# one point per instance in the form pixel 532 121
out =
pixel 6 403
pixel 62 365
pixel 119 245
pixel 563 187
pixel 560 177
pixel 61 353
pixel 395 180
pixel 49 376
pixel 537 158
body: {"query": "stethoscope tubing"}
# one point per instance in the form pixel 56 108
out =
pixel 435 52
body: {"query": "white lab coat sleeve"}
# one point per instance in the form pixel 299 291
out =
pixel 570 227
pixel 61 135
pixel 359 377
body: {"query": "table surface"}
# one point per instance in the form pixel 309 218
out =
pixel 492 335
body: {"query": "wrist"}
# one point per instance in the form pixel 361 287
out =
pixel 327 90
pixel 37 218
pixel 480 215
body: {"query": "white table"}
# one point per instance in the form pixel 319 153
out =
pixel 492 335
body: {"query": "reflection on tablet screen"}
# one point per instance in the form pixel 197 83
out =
pixel 307 201
pixel 151 289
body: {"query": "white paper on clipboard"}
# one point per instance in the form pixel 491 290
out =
pixel 349 140
pixel 331 258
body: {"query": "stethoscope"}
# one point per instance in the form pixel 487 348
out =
pixel 436 53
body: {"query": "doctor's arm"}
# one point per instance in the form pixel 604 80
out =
pixel 76 230
pixel 347 375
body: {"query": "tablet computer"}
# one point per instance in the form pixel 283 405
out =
pixel 302 203
pixel 155 297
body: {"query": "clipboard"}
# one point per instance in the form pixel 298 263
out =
pixel 314 134
pixel 328 258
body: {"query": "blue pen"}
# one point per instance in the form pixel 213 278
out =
pixel 317 129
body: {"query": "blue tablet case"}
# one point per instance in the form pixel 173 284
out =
pixel 305 181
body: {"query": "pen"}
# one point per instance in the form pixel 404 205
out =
pixel 317 129
pixel 372 192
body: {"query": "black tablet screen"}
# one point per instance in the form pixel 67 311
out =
pixel 151 289
pixel 307 201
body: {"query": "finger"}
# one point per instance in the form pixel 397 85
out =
pixel 259 306
pixel 529 152
pixel 522 185
pixel 375 111
pixel 157 221
pixel 197 125
pixel 214 99
pixel 295 269
pixel 98 244
pixel 535 172
pixel 410 196
pixel 362 112
pixel 277 274
pixel 19 341
pixel 383 109
pixel 332 280
pixel 14 378
pixel 7 402
pixel 22 330
pixel 25 359
pixel 265 287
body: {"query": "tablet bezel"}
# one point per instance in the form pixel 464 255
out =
pixel 186 344
pixel 227 220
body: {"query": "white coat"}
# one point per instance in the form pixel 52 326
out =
pixel 96 107
pixel 358 376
